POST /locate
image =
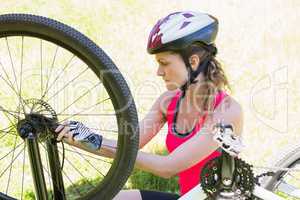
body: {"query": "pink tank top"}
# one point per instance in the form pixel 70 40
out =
pixel 189 178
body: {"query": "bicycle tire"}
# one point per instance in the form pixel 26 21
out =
pixel 81 46
pixel 287 159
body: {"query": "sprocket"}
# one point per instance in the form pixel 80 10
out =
pixel 243 179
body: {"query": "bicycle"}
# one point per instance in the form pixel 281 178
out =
pixel 45 69
pixel 229 177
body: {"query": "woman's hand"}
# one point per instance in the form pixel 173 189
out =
pixel 74 131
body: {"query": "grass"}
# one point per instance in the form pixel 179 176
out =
pixel 82 186
pixel 147 181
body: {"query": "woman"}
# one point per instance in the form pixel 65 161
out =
pixel 195 101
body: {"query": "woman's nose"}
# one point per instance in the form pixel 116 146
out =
pixel 160 71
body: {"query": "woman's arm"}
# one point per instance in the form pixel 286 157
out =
pixel 151 123
pixel 202 144
pixel 190 152
pixel 195 149
pixel 149 127
pixel 155 118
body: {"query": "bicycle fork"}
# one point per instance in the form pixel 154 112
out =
pixel 27 132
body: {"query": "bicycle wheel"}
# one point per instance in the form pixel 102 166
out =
pixel 286 183
pixel 51 71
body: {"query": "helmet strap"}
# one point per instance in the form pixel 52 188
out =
pixel 192 75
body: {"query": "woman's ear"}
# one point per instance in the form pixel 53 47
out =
pixel 194 61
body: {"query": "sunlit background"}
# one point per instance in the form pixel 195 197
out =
pixel 258 44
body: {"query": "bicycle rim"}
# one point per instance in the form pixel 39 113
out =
pixel 286 183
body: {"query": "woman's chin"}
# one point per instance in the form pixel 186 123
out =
pixel 171 87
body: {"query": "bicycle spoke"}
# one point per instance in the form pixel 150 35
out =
pixel 11 61
pixel 92 114
pixel 34 107
pixel 21 73
pixel 84 110
pixel 16 82
pixel 105 130
pixel 55 94
pixel 88 155
pixel 11 151
pixel 7 133
pixel 9 84
pixel 47 161
pixel 80 97
pixel 11 122
pixel 41 56
pixel 13 154
pixel 7 128
pixel 23 172
pixel 57 77
pixel 89 162
pixel 9 112
pixel 70 163
pixel 11 162
pixel 3 69
pixel 52 65
pixel 49 175
pixel 71 182
pixel 48 169
pixel 9 119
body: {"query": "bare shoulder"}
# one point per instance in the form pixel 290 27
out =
pixel 165 99
pixel 229 104
pixel 229 111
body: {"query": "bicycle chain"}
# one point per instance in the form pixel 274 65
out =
pixel 243 183
pixel 270 173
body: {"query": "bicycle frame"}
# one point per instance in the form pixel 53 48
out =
pixel 198 193
pixel 37 169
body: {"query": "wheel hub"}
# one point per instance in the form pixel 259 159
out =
pixel 40 122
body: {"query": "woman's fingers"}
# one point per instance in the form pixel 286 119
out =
pixel 63 131
pixel 59 128
pixel 70 137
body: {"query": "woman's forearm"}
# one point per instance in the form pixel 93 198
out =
pixel 108 148
pixel 155 164
pixel 152 163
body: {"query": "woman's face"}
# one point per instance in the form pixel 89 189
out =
pixel 172 69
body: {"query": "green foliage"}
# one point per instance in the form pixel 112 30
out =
pixel 29 195
pixel 147 181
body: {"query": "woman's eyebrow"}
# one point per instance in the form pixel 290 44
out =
pixel 161 60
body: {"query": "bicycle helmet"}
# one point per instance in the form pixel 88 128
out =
pixel 178 30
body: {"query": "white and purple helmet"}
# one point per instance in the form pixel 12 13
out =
pixel 180 29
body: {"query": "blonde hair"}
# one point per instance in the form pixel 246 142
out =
pixel 214 75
